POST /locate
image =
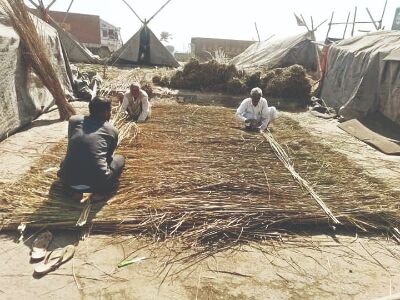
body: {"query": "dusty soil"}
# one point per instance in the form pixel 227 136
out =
pixel 303 268
pixel 19 151
pixel 312 267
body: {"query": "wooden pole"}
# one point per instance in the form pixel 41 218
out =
pixel 255 24
pixel 372 19
pixel 51 4
pixel 312 24
pixel 383 14
pixel 34 4
pixel 347 23
pixel 354 22
pixel 304 21
pixel 320 24
pixel 330 26
pixel 158 11
pixel 66 13
pixel 267 39
pixel 130 7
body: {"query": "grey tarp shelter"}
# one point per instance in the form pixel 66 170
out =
pixel 76 52
pixel 363 76
pixel 158 56
pixel 22 95
pixel 278 53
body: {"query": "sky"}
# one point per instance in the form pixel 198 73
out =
pixel 230 19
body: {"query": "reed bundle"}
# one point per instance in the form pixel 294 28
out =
pixel 193 174
pixel 124 80
pixel 36 53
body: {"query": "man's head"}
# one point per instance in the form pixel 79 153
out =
pixel 255 95
pixel 135 89
pixel 100 108
pixel 120 97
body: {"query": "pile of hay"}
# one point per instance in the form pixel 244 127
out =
pixel 288 83
pixel 122 82
pixel 192 173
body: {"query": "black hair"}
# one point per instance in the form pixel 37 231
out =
pixel 99 105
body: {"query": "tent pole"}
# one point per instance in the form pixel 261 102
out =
pixel 372 19
pixel 130 7
pixel 50 5
pixel 312 24
pixel 255 24
pixel 354 22
pixel 34 4
pixel 347 23
pixel 330 26
pixel 320 24
pixel 159 10
pixel 383 14
pixel 66 13
pixel 305 24
pixel 269 38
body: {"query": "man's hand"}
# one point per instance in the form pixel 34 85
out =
pixel 250 122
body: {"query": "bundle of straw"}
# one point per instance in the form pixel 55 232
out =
pixel 36 53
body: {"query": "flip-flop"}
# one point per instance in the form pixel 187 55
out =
pixel 54 259
pixel 40 244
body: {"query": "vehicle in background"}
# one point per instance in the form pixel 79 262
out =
pixel 99 36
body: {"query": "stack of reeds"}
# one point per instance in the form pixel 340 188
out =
pixel 124 80
pixel 35 53
pixel 192 173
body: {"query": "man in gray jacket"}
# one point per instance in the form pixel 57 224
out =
pixel 89 163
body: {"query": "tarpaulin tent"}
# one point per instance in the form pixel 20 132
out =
pixel 363 76
pixel 76 52
pixel 146 42
pixel 144 47
pixel 278 53
pixel 22 94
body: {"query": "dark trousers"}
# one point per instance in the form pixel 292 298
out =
pixel 116 166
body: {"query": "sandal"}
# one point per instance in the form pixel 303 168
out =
pixel 54 259
pixel 40 244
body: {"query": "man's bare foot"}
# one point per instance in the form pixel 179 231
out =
pixel 97 197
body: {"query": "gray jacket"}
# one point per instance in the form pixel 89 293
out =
pixel 91 144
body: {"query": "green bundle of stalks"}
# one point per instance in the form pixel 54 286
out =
pixel 36 53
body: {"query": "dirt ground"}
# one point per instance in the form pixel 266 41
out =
pixel 320 266
pixel 317 267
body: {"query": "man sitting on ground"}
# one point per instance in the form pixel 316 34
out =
pixel 255 113
pixel 136 103
pixel 89 163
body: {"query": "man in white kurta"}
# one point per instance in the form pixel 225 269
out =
pixel 255 113
pixel 136 103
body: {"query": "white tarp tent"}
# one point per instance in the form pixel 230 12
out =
pixel 22 95
pixel 278 53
